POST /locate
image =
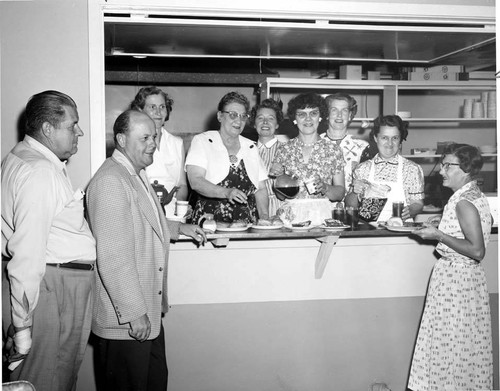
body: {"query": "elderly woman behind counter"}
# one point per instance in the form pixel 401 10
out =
pixel 168 159
pixel 266 118
pixel 454 345
pixel 309 156
pixel 404 177
pixel 225 169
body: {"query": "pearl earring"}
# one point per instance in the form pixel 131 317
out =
pixel 294 122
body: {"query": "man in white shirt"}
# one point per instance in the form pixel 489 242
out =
pixel 48 250
pixel 341 109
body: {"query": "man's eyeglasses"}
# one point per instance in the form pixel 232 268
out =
pixel 446 166
pixel 302 115
pixel 234 115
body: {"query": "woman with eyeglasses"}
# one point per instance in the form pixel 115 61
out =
pixel 404 177
pixel 454 343
pixel 225 168
pixel 168 159
pixel 308 157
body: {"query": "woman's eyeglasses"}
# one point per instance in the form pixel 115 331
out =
pixel 234 115
pixel 302 115
pixel 446 166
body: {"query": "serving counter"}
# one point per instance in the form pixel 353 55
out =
pixel 255 265
pixel 249 311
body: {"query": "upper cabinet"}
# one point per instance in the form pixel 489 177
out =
pixel 398 32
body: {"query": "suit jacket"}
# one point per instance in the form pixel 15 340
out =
pixel 133 240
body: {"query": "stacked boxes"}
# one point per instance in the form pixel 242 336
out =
pixel 435 73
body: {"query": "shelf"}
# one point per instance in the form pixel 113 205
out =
pixel 465 120
pixel 425 156
pixel 290 82
pixel 450 119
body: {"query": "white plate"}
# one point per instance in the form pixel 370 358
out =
pixel 299 229
pixel 339 228
pixel 266 227
pixel 232 229
pixel 432 209
pixel 402 229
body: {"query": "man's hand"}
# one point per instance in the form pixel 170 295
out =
pixel 140 328
pixel 18 345
pixel 193 231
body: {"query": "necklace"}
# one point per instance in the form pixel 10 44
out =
pixel 307 144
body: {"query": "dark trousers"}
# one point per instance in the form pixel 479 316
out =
pixel 132 365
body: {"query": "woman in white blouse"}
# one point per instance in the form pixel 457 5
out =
pixel 225 168
pixel 168 159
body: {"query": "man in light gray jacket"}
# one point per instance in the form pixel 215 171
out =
pixel 133 238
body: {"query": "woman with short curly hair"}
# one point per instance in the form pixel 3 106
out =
pixel 308 156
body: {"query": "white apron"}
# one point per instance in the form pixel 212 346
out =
pixel 396 194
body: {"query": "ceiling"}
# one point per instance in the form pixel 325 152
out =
pixel 201 45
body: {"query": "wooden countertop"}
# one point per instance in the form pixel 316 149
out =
pixel 363 230
pixel 327 238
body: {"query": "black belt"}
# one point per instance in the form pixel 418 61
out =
pixel 73 265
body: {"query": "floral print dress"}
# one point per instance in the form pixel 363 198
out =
pixel 225 211
pixel 454 345
pixel 326 161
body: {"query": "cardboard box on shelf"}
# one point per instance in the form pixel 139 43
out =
pixel 350 72
pixel 437 76
pixel 435 68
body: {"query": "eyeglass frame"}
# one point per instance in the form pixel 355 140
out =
pixel 446 166
pixel 313 114
pixel 233 115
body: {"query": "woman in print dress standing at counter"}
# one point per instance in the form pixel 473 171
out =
pixel 266 118
pixel 309 156
pixel 454 346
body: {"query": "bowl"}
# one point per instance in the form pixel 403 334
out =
pixel 487 149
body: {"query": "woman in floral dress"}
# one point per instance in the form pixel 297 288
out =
pixel 308 155
pixel 225 169
pixel 454 346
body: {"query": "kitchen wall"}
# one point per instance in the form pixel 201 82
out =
pixel 44 45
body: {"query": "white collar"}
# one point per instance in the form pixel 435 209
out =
pixel 269 144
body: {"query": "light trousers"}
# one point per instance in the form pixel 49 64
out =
pixel 60 332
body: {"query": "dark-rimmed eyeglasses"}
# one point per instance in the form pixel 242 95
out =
pixel 446 166
pixel 234 115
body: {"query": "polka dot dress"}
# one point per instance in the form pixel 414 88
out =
pixel 454 346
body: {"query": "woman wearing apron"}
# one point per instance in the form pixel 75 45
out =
pixel 225 169
pixel 404 177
